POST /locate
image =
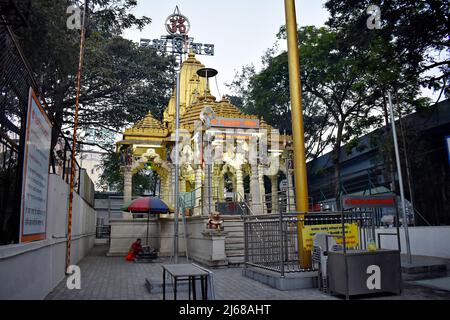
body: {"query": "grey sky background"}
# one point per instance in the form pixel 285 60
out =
pixel 241 30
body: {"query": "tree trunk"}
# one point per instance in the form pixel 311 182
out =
pixel 58 112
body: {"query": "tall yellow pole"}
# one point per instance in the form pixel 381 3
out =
pixel 301 182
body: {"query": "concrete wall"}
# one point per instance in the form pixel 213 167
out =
pixel 425 241
pixel 203 246
pixel 125 231
pixel 33 270
pixel 206 247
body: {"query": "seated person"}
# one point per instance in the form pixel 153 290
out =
pixel 135 249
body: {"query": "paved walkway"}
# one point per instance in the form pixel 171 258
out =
pixel 438 283
pixel 112 278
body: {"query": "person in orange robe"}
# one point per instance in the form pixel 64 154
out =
pixel 135 249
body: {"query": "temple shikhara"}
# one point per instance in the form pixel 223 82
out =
pixel 230 135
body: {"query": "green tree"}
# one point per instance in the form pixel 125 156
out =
pixel 344 84
pixel 120 82
pixel 267 95
pixel 417 33
pixel 112 176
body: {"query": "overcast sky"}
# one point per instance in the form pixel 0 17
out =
pixel 241 30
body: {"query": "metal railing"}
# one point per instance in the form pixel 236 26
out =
pixel 103 231
pixel 271 241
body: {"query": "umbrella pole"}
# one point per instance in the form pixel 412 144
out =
pixel 148 221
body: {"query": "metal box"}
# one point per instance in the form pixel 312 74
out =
pixel 361 272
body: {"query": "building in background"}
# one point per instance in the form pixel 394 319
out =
pixel 365 168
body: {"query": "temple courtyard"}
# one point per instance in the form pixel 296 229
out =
pixel 112 278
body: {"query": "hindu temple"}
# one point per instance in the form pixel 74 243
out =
pixel 152 143
pixel 230 163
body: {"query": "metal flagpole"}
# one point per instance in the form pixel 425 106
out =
pixel 74 144
pixel 400 181
pixel 301 183
pixel 177 182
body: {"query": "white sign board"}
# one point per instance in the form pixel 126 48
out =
pixel 35 172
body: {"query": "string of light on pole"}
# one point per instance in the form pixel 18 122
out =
pixel 207 116
pixel 74 144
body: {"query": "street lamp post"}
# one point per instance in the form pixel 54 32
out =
pixel 400 181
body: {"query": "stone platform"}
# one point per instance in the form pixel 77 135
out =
pixel 291 281
pixel 423 267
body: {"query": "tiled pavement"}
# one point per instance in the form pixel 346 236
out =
pixel 112 278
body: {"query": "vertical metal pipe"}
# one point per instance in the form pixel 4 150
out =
pixel 300 174
pixel 400 181
pixel 281 238
pixel 177 173
pixel 74 144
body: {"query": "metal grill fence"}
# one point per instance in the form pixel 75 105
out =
pixel 16 79
pixel 271 241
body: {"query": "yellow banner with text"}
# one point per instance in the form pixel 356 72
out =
pixel 351 234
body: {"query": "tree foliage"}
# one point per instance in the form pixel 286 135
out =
pixel 345 80
pixel 417 33
pixel 121 82
pixel 267 95
pixel 112 177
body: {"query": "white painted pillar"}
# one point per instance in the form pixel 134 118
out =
pixel 255 191
pixel 274 183
pixel 127 184
pixel 221 188
pixel 239 184
pixel 262 189
pixel 291 193
pixel 198 191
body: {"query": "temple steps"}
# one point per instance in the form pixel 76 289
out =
pixel 234 243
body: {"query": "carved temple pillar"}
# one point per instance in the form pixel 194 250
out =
pixel 216 182
pixel 168 188
pixel 221 188
pixel 127 184
pixel 165 190
pixel 255 190
pixel 207 194
pixel 198 191
pixel 173 192
pixel 274 183
pixel 290 191
pixel 239 184
pixel 262 189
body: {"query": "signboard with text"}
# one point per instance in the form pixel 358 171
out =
pixel 352 202
pixel 235 123
pixel 351 234
pixel 35 172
